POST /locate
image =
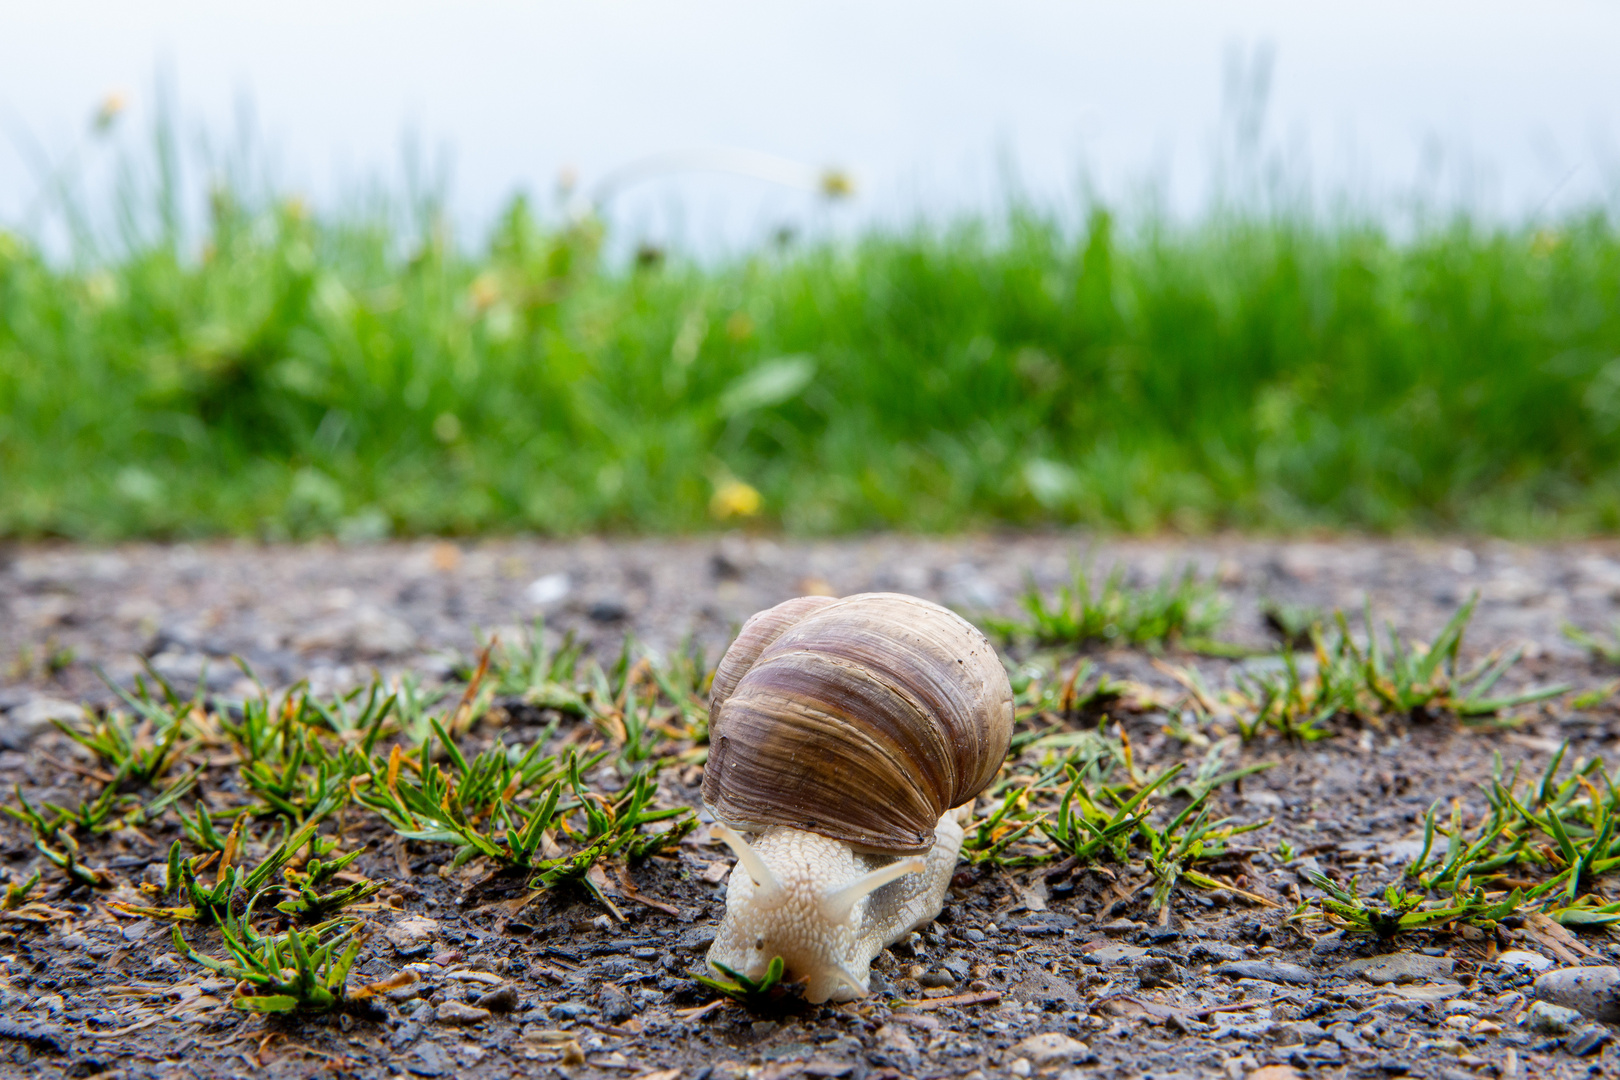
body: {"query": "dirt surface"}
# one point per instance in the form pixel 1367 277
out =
pixel 1059 971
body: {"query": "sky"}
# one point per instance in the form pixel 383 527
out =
pixel 932 108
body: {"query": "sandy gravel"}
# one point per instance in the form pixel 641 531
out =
pixel 333 613
pixel 1058 972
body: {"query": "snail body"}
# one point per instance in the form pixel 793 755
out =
pixel 851 737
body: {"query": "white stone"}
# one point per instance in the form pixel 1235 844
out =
pixel 1520 958
pixel 455 1012
pixel 411 931
pixel 547 589
pixel 1546 1019
pixel 1594 991
pixel 1050 1048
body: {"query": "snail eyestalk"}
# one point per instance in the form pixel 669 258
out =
pixel 837 903
pixel 764 880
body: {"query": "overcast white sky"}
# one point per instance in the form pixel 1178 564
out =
pixel 926 102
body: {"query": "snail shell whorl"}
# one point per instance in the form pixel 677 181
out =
pixel 862 719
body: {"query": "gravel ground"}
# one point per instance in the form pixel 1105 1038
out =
pixel 333 614
pixel 1029 974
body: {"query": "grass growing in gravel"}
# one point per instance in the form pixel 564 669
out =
pixel 1114 612
pixel 282 767
pixel 294 374
pixel 1374 682
pixel 298 776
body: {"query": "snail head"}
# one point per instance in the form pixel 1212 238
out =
pixel 802 897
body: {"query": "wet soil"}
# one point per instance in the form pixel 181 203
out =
pixel 1058 971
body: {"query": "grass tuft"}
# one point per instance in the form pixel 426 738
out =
pixel 1114 613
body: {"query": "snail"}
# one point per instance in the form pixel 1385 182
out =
pixel 851 737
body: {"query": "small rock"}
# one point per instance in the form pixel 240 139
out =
pixel 1594 991
pixel 1050 1048
pixel 454 1012
pixel 1275 1072
pixel 1587 1042
pixel 1267 971
pixel 1307 869
pixel 697 939
pixel 412 935
pixel 430 1060
pixel 937 979
pixel 615 1006
pixel 1152 971
pixel 1217 952
pixel 1265 801
pixel 1120 927
pixel 1427 991
pixel 1112 954
pixel 1544 1018
pixel 1520 958
pixel 42 1037
pixel 364 632
pixel 27 722
pixel 569 1010
pixel 1297 1032
pixel 502 999
pixel 1020 1067
pixel 402 987
pixel 1400 852
pixel 894 1039
pixel 1399 968
pixel 607 610
pixel 547 589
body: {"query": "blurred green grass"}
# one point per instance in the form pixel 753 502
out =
pixel 305 375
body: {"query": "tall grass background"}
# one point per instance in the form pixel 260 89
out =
pixel 272 371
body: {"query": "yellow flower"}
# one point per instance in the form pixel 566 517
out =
pixel 484 291
pixel 111 107
pixel 733 498
pixel 837 184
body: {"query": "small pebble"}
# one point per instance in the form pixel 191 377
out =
pixel 1527 961
pixel 455 1012
pixel 1399 968
pixel 1544 1018
pixel 1050 1048
pixel 1272 971
pixel 502 999
pixel 1153 971
pixel 1593 991
pixel 1587 1042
